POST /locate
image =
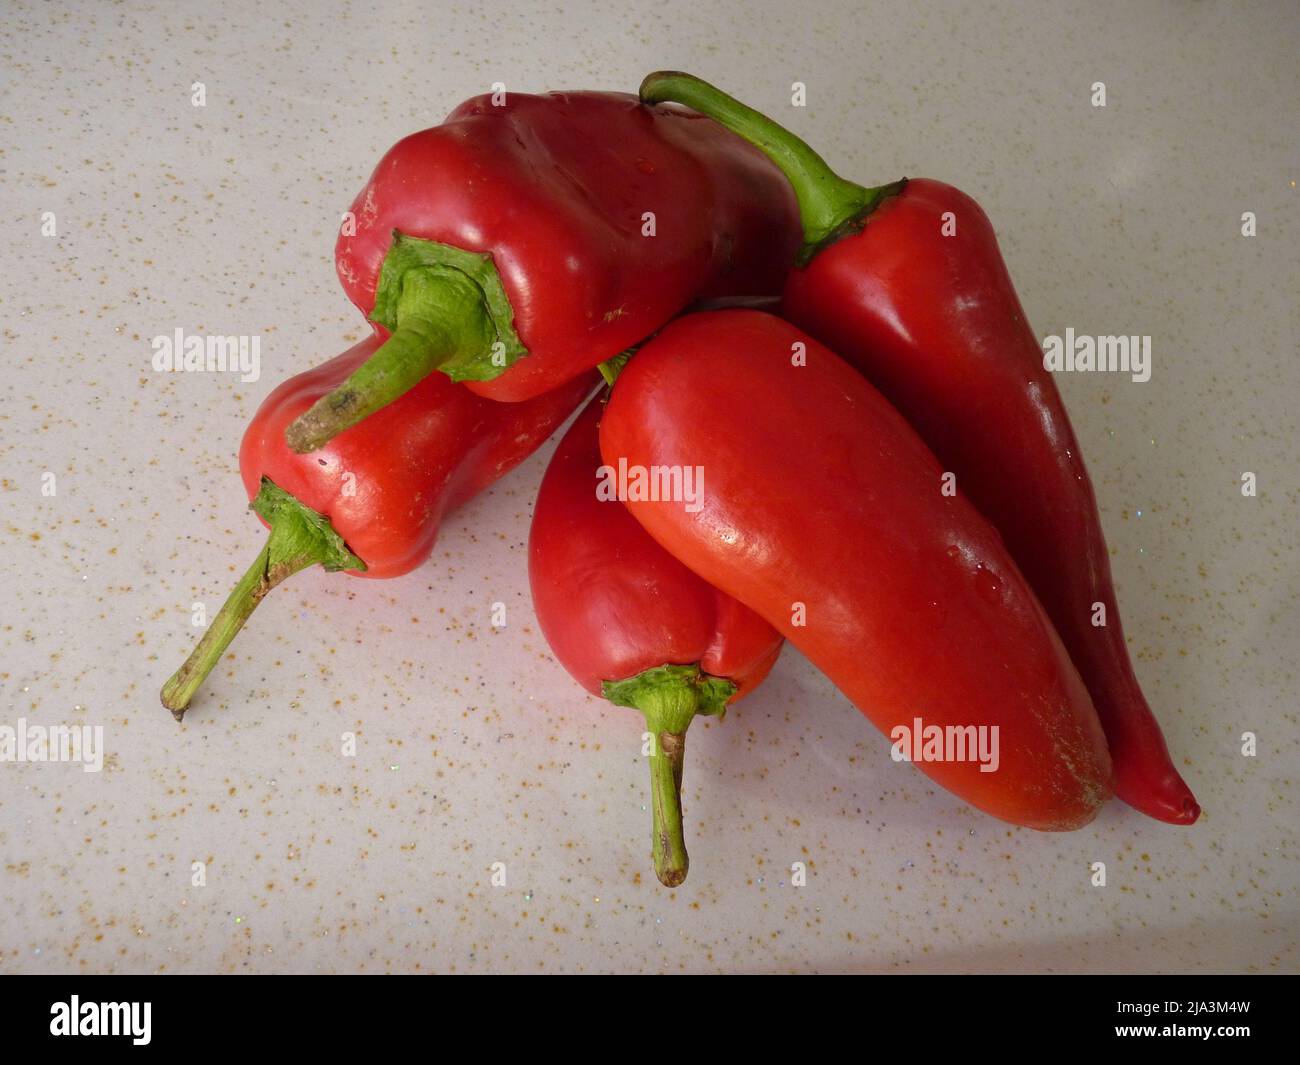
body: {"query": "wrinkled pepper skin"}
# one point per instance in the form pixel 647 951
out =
pixel 387 483
pixel 631 623
pixel 935 323
pixel 819 493
pixel 555 187
pixel 611 602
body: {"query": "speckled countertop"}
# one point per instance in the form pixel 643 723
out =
pixel 473 747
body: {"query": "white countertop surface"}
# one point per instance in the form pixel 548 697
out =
pixel 474 747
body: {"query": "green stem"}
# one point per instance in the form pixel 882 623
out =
pixel 613 366
pixel 669 696
pixel 440 317
pixel 667 834
pixel 607 372
pixel 300 537
pixel 829 206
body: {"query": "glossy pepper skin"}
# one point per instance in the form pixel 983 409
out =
pixel 819 493
pixel 631 623
pixel 907 283
pixel 935 323
pixel 556 188
pixel 371 503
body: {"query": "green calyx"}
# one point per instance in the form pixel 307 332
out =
pixel 300 537
pixel 297 531
pixel 670 697
pixel 446 309
pixel 422 279
pixel 830 207
pixel 853 222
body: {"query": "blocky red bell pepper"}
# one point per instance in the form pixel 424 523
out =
pixel 631 623
pixel 906 282
pixel 371 503
pixel 825 513
pixel 517 246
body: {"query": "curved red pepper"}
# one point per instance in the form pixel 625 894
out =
pixel 823 512
pixel 929 314
pixel 556 190
pixel 371 503
pixel 631 623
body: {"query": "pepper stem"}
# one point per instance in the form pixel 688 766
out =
pixel 440 316
pixel 300 537
pixel 669 697
pixel 668 836
pixel 613 366
pixel 829 206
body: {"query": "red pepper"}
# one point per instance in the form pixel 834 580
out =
pixel 631 623
pixel 510 247
pixel 371 503
pixel 928 312
pixel 824 512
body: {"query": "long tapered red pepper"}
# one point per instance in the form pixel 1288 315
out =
pixel 372 503
pixel 906 282
pixel 631 623
pixel 826 514
pixel 525 240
